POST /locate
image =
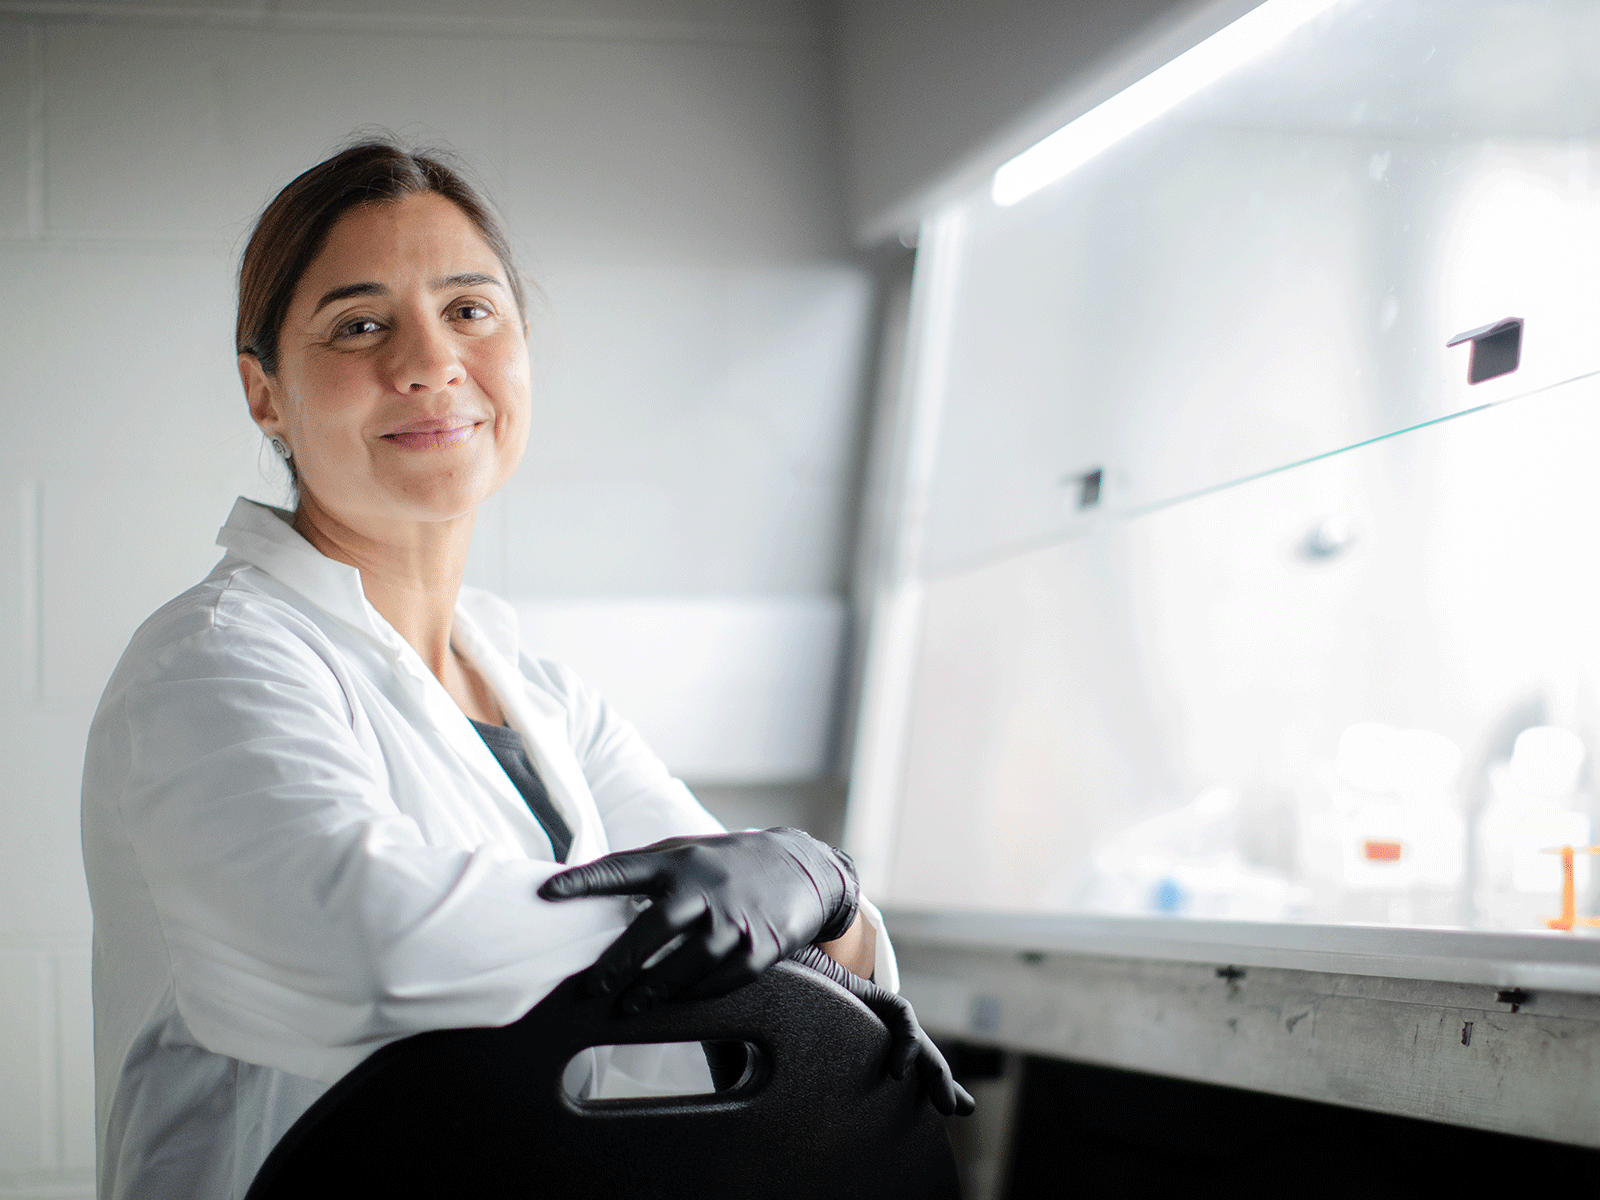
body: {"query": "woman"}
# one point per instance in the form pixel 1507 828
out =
pixel 326 802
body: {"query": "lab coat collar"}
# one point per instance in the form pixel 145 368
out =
pixel 265 537
pixel 485 630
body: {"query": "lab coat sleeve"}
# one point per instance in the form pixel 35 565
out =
pixel 306 920
pixel 639 800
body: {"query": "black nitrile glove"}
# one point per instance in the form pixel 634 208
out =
pixel 908 1044
pixel 735 903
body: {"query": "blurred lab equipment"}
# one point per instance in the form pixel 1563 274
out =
pixel 1390 842
pixel 1535 804
pixel 1189 861
pixel 1569 918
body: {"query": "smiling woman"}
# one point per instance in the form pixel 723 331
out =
pixel 399 391
pixel 327 802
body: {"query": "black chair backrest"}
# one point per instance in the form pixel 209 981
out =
pixel 482 1113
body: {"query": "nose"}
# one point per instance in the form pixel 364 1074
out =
pixel 425 359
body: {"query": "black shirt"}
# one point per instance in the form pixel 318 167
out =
pixel 511 752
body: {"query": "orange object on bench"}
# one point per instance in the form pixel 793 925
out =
pixel 1569 917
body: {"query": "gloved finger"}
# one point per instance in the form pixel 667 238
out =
pixel 965 1104
pixel 945 1094
pixel 905 1034
pixel 948 1096
pixel 664 920
pixel 754 953
pixel 704 948
pixel 626 874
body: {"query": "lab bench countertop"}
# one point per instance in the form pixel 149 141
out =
pixel 1495 1031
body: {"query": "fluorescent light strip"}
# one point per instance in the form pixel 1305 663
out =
pixel 1140 103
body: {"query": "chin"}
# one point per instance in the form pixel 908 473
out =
pixel 448 501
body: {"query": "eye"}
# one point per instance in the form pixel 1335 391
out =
pixel 470 310
pixel 356 327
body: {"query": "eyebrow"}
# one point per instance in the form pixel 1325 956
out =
pixel 469 279
pixel 348 290
pixel 466 279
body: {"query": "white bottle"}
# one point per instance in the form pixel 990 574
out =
pixel 1390 845
pixel 1534 809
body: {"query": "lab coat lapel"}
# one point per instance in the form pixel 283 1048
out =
pixel 492 779
pixel 266 538
pixel 544 729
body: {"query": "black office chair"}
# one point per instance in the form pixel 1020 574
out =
pixel 482 1113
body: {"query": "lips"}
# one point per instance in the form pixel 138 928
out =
pixel 434 433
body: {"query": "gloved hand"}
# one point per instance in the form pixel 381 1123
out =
pixel 908 1044
pixel 734 904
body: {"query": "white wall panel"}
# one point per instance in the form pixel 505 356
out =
pixel 23 981
pixel 117 547
pixel 725 691
pixel 710 151
pixel 75 1029
pixel 162 8
pixel 18 571
pixel 237 114
pixel 42 889
pixel 47 1101
pixel 41 874
pixel 16 95
pixel 695 435
pixel 750 17
pixel 121 359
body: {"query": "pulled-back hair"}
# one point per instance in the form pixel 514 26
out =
pixel 294 227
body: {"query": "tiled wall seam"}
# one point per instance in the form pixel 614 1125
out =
pixel 47 1175
pixel 67 944
pixel 135 240
pixel 682 31
pixel 50 1065
pixel 31 631
pixel 36 158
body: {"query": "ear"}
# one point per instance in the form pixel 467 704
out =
pixel 261 394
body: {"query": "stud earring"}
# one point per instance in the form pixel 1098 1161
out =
pixel 282 447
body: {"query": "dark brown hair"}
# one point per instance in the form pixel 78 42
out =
pixel 292 230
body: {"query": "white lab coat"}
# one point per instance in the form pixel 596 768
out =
pixel 299 849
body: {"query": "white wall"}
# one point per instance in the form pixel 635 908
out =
pixel 668 174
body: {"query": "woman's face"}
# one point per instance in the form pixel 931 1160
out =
pixel 402 386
